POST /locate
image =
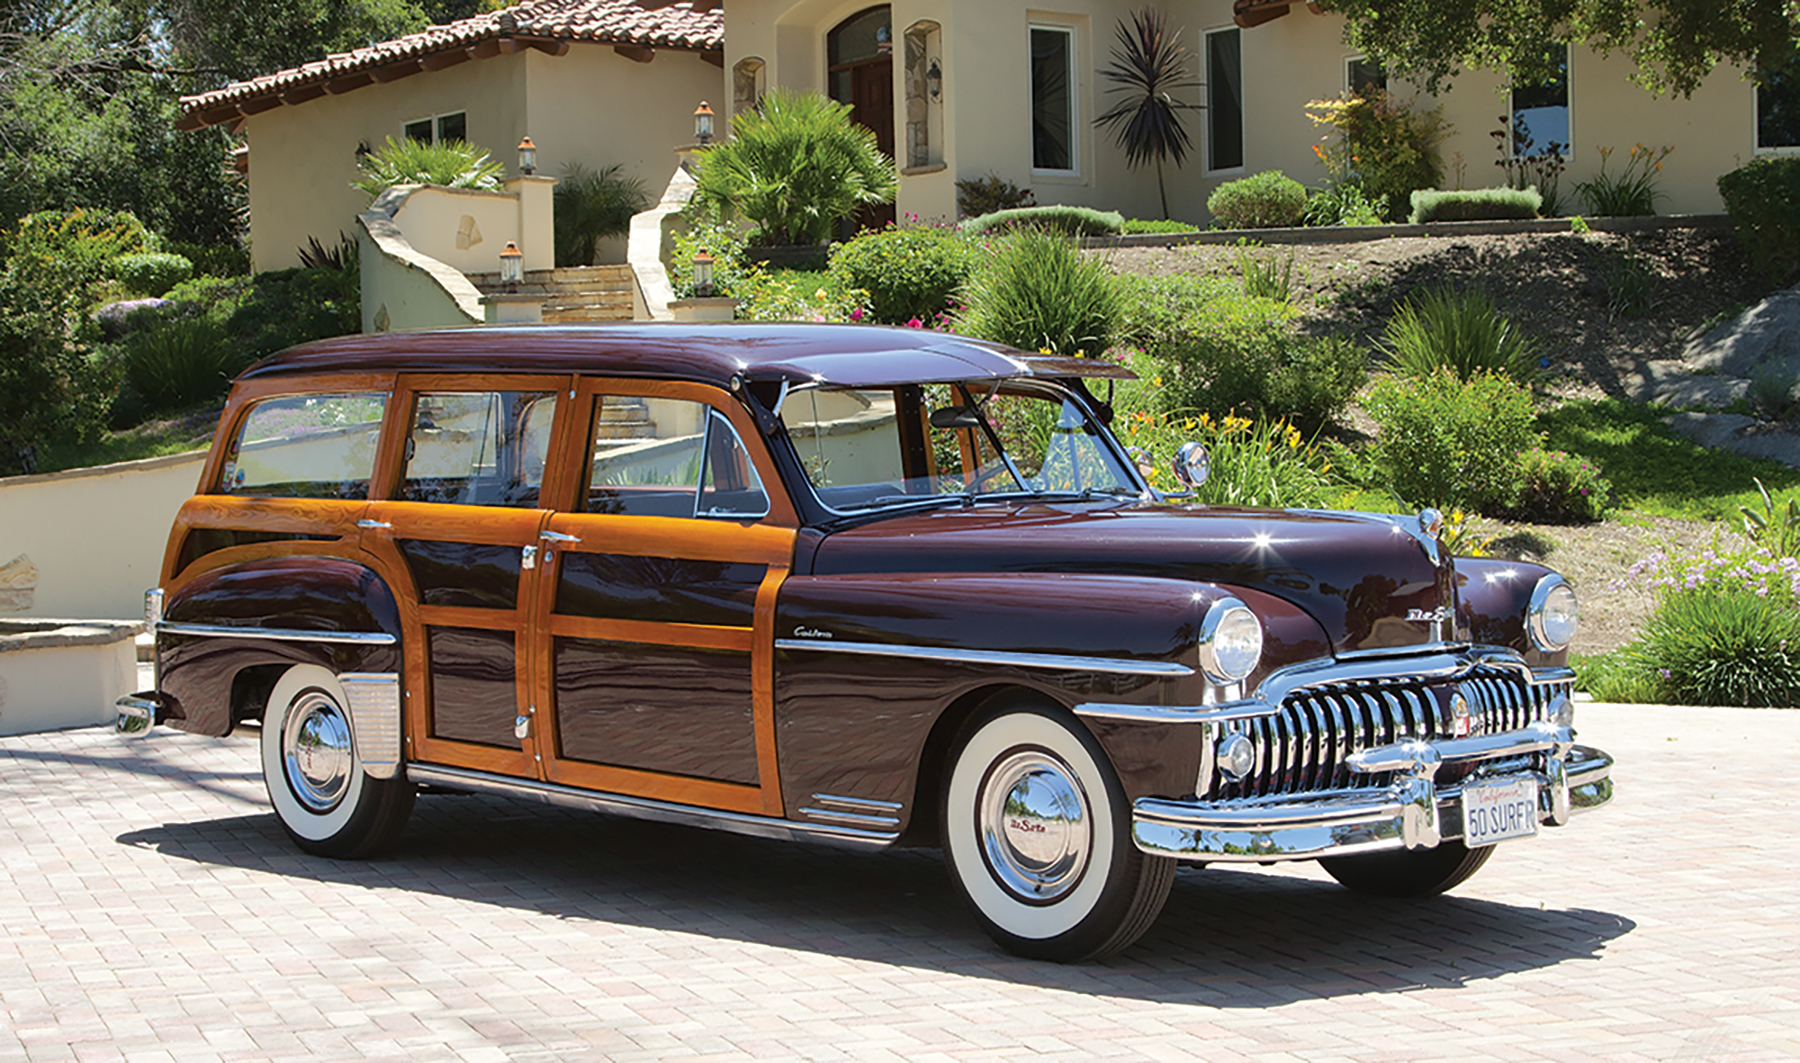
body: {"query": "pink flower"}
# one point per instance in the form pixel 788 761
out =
pixel 856 313
pixel 915 323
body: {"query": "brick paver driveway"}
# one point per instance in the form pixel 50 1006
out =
pixel 150 908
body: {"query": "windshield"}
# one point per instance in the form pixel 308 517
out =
pixel 871 448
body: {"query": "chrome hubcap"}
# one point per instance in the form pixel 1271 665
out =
pixel 315 749
pixel 1035 828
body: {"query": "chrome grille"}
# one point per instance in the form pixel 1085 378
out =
pixel 1301 748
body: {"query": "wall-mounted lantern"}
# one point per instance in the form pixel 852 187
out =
pixel 703 123
pixel 512 267
pixel 527 157
pixel 703 275
pixel 934 79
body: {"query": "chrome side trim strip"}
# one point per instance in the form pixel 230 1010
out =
pixel 1002 658
pixel 853 818
pixel 374 699
pixel 864 803
pixel 1237 710
pixel 643 808
pixel 858 811
pixel 277 634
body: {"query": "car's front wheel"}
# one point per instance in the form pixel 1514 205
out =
pixel 321 795
pixel 1408 872
pixel 1037 835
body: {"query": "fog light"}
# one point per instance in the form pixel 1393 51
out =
pixel 1236 757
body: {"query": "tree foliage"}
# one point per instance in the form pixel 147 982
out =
pixel 1149 64
pixel 1674 43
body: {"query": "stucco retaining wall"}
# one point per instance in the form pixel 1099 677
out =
pixel 56 674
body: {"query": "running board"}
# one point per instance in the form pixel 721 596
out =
pixel 480 782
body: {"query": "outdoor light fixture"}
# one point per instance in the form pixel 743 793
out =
pixel 527 157
pixel 512 267
pixel 703 123
pixel 703 275
pixel 934 79
pixel 362 152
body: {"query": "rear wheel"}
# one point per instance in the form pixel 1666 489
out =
pixel 1037 835
pixel 316 782
pixel 1408 872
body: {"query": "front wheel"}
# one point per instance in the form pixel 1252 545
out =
pixel 1408 872
pixel 316 783
pixel 1037 835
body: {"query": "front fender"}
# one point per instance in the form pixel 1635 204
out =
pixel 1492 596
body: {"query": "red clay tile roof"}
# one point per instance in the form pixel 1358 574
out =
pixel 547 25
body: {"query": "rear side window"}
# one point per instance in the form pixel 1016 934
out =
pixel 305 446
pixel 482 448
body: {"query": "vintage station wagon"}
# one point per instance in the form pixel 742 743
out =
pixel 863 586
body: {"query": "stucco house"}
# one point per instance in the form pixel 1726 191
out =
pixel 965 88
pixel 598 82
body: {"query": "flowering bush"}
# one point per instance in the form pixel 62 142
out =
pixel 909 273
pixel 1751 569
pixel 1382 146
pixel 1720 647
pixel 1452 442
pixel 1254 463
pixel 1561 488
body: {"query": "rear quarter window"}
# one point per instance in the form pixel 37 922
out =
pixel 305 446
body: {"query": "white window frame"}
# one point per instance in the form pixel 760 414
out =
pixel 434 119
pixel 1207 168
pixel 1348 59
pixel 1569 152
pixel 1756 148
pixel 1070 31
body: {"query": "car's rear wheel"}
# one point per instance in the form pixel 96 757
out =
pixel 1037 835
pixel 321 795
pixel 1408 872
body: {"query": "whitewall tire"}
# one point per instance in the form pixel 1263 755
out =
pixel 316 783
pixel 1037 835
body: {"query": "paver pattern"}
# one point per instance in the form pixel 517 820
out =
pixel 152 909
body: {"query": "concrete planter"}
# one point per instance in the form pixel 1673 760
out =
pixel 56 674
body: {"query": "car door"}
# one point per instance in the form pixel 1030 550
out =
pixel 459 526
pixel 653 636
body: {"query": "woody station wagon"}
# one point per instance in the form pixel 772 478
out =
pixel 869 587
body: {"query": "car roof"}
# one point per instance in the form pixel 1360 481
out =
pixel 829 354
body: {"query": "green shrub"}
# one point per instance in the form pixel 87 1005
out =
pixel 1075 221
pixel 1341 205
pixel 1475 204
pixel 909 274
pixel 976 196
pixel 1035 291
pixel 1722 647
pixel 151 272
pixel 591 205
pixel 213 261
pixel 1615 677
pixel 1461 330
pixel 181 363
pixel 1267 276
pixel 1772 527
pixel 284 307
pixel 1268 200
pixel 450 163
pixel 1254 463
pixel 1763 199
pixel 793 166
pixel 1157 226
pixel 1382 146
pixel 725 243
pixel 1445 441
pixel 1209 348
pixel 83 244
pixel 795 295
pixel 211 297
pixel 1561 488
pixel 1628 194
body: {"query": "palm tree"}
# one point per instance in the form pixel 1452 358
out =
pixel 1149 65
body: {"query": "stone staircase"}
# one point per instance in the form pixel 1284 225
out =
pixel 625 418
pixel 573 293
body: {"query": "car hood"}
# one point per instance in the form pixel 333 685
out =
pixel 1371 581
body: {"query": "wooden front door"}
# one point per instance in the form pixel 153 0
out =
pixel 861 75
pixel 655 601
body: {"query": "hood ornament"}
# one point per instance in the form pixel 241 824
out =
pixel 1431 522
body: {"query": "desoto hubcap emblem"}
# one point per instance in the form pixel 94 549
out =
pixel 1035 828
pixel 316 755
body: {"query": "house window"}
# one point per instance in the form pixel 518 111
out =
pixel 1778 109
pixel 1225 101
pixel 1364 76
pixel 746 85
pixel 1053 144
pixel 1540 111
pixel 439 128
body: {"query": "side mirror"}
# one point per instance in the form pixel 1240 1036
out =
pixel 1193 464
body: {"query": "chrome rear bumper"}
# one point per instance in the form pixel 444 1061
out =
pixel 1415 812
pixel 137 714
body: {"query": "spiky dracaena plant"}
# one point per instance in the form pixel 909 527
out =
pixel 1148 66
pixel 794 167
pixel 450 163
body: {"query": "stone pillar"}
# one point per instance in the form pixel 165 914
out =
pixel 537 220
pixel 504 308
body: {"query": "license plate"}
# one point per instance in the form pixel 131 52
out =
pixel 1497 812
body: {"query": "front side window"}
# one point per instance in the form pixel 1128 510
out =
pixel 873 448
pixel 1052 98
pixel 439 128
pixel 656 457
pixel 1225 101
pixel 305 446
pixel 479 448
pixel 1778 109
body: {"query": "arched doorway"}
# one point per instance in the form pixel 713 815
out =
pixel 860 52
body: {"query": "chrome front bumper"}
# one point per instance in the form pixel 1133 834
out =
pixel 1415 812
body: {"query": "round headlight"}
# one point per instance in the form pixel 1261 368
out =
pixel 1231 641
pixel 1552 615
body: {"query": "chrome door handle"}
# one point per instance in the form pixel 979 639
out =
pixel 559 537
pixel 367 523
